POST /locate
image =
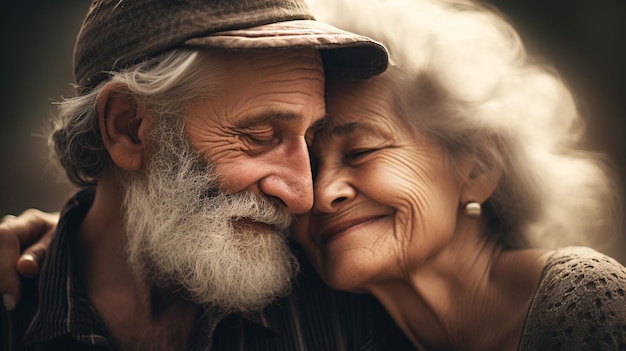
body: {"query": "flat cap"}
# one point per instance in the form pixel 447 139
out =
pixel 119 33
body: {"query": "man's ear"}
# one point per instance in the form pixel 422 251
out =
pixel 122 127
pixel 482 181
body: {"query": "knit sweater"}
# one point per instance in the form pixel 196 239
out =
pixel 580 304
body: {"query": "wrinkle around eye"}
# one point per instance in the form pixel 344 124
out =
pixel 358 154
pixel 253 145
pixel 366 155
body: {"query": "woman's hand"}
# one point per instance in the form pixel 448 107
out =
pixel 32 231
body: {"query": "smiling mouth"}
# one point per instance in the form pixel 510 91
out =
pixel 333 232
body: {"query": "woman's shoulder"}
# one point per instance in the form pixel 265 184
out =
pixel 580 303
pixel 580 259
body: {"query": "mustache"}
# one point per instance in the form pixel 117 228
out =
pixel 256 208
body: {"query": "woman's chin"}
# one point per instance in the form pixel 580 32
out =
pixel 349 279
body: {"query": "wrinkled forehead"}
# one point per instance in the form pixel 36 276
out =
pixel 347 94
pixel 237 63
pixel 365 102
pixel 262 80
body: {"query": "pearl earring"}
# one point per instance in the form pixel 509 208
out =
pixel 472 209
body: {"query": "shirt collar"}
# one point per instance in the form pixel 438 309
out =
pixel 63 307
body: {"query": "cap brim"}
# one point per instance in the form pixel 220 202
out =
pixel 344 53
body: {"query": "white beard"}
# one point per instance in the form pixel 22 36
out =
pixel 182 232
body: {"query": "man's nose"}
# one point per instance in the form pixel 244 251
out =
pixel 291 180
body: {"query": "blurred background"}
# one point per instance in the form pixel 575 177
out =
pixel 585 40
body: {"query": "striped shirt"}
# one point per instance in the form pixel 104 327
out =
pixel 312 317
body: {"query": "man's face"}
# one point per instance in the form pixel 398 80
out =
pixel 253 129
pixel 209 213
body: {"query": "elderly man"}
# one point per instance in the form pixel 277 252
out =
pixel 188 139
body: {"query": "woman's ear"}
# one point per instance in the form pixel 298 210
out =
pixel 482 180
pixel 122 127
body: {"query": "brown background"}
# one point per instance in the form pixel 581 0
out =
pixel 585 39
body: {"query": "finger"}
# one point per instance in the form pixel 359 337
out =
pixel 29 263
pixel 10 286
pixel 7 218
pixel 29 226
pixel 32 258
pixel 15 233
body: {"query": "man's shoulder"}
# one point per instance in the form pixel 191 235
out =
pixel 580 302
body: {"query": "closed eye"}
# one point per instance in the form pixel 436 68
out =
pixel 356 154
pixel 265 141
pixel 254 144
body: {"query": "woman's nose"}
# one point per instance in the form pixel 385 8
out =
pixel 331 188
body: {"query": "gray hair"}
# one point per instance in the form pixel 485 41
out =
pixel 461 73
pixel 164 84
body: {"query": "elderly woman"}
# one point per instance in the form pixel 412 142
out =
pixel 441 186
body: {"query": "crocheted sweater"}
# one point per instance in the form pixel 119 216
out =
pixel 579 304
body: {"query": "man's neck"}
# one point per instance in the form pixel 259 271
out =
pixel 133 311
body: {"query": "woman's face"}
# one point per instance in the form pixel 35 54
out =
pixel 385 198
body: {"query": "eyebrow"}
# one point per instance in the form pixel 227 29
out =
pixel 268 116
pixel 351 127
pixel 319 124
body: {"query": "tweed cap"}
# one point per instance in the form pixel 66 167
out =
pixel 119 33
